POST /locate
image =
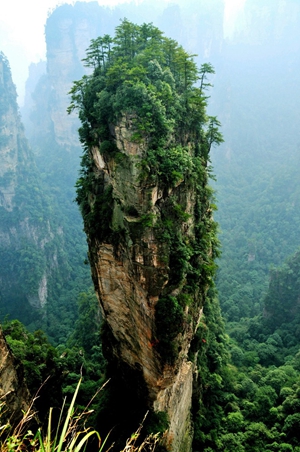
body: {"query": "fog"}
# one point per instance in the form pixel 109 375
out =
pixel 22 30
pixel 22 37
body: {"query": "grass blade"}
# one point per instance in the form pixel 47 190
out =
pixel 67 421
pixel 84 440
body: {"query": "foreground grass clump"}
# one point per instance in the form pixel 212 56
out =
pixel 70 435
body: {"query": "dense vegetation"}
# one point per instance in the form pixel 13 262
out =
pixel 54 372
pixel 249 400
pixel 250 397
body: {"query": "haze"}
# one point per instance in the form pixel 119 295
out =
pixel 22 33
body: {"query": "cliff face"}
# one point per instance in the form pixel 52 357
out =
pixel 64 54
pixel 9 127
pixel 24 226
pixel 13 391
pixel 131 277
pixel 69 31
pixel 146 207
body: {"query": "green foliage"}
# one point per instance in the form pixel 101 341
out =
pixel 214 388
pixel 153 78
pixel 40 360
pixel 41 268
pixel 170 166
pixel 169 319
pixel 54 372
pixel 264 397
pixel 97 214
pixel 7 88
pixel 87 327
pixel 157 422
pixel 147 220
pixel 149 81
pixel 281 301
pixel 69 435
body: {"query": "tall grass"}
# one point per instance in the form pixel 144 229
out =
pixel 70 434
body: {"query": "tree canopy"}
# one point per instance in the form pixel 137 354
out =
pixel 141 71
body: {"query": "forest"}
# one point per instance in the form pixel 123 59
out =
pixel 237 102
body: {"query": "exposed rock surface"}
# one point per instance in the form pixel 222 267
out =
pixel 13 391
pixel 133 273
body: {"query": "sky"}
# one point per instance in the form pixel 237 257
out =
pixel 22 31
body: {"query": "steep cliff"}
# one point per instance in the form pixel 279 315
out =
pixel 147 212
pixel 26 239
pixel 13 391
pixel 67 37
pixel 68 32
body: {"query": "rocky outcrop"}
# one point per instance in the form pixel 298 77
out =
pixel 134 270
pixel 144 196
pixel 13 391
